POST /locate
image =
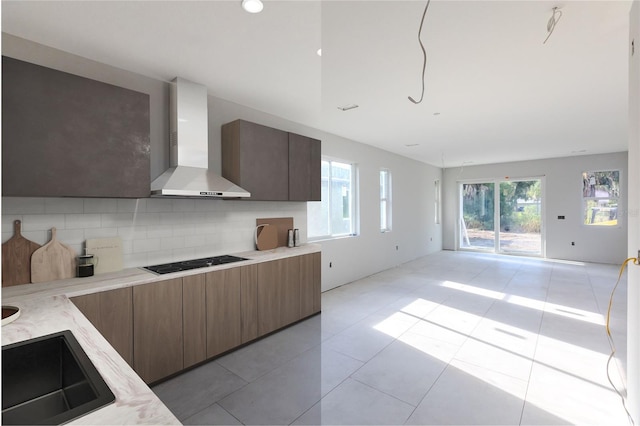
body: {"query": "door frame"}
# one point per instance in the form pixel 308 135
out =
pixel 496 214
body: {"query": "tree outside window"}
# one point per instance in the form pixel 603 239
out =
pixel 600 195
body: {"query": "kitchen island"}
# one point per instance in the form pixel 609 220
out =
pixel 46 308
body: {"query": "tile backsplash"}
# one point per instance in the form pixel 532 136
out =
pixel 153 230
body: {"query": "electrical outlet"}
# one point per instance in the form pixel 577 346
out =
pixel 396 248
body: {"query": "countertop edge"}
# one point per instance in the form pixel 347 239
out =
pixel 46 308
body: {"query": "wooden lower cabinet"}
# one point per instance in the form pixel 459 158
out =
pixel 278 294
pixel 309 284
pixel 224 319
pixel 157 329
pixel 164 327
pixel 249 302
pixel 111 313
pixel 194 319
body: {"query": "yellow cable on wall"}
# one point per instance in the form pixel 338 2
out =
pixel 636 261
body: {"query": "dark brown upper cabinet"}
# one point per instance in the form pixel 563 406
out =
pixel 256 158
pixel 304 168
pixel 271 164
pixel 70 136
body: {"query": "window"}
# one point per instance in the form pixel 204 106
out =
pixel 335 215
pixel 436 197
pixel 385 200
pixel 600 194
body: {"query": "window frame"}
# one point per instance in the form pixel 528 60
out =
pixel 584 200
pixel 353 202
pixel 437 201
pixel 388 200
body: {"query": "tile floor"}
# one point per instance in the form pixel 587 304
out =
pixel 450 338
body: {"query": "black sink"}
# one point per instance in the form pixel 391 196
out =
pixel 50 380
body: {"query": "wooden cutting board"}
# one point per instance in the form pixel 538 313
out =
pixel 53 261
pixel 107 254
pixel 282 225
pixel 16 258
pixel 267 238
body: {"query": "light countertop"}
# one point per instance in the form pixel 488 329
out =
pixel 45 308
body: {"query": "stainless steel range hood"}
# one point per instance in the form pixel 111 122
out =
pixel 189 175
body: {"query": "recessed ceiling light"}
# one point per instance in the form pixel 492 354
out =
pixel 252 6
pixel 411 144
pixel 436 113
pixel 319 52
pixel 348 107
pixel 582 151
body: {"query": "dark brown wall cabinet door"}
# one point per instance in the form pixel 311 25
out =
pixel 194 319
pixel 304 168
pixel 224 320
pixel 111 312
pixel 157 329
pixel 69 136
pixel 256 157
pixel 278 294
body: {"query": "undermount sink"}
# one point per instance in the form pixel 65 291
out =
pixel 50 380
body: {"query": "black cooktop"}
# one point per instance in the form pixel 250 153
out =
pixel 185 265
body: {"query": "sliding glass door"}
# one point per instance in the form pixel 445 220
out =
pixel 508 220
pixel 477 224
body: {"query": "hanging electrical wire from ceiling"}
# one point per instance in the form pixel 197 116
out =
pixel 552 22
pixel 424 54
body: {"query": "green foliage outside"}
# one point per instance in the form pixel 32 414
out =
pixel 478 206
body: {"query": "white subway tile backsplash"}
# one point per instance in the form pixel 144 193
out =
pixel 159 231
pixel 160 205
pixel 116 220
pixel 184 205
pixel 128 233
pixel 41 222
pixel 132 260
pixel 100 205
pixel 184 253
pixel 170 219
pixel 100 232
pixel 22 205
pixel 158 257
pixel 194 241
pixel 170 243
pixel 7 222
pixel 81 221
pixel 148 245
pixel 146 219
pixel 185 229
pixel 127 247
pixel 70 236
pixel 63 205
pixel 132 205
pixel 153 230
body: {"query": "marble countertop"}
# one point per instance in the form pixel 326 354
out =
pixel 45 308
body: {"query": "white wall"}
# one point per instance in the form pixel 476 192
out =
pixel 563 192
pixel 159 230
pixel 414 231
pixel 633 277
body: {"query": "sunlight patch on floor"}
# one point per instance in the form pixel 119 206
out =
pixel 540 305
pixel 566 379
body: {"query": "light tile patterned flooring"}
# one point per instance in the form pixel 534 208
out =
pixel 450 338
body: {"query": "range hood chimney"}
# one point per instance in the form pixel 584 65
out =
pixel 188 174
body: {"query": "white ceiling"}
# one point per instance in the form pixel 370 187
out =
pixel 502 95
